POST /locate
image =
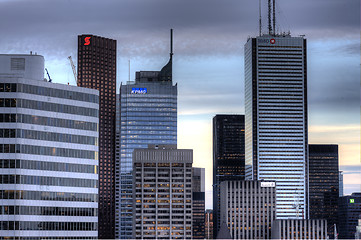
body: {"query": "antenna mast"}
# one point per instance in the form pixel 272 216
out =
pixel 260 18
pixel 171 42
pixel 274 17
pixel 269 18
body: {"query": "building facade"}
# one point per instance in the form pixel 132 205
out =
pixel 198 203
pixel 324 183
pixel 276 118
pixel 162 193
pixel 349 212
pixel 209 224
pixel 340 188
pixel 97 70
pixel 299 229
pixel 48 154
pixel 147 115
pixel 248 208
pixel 228 156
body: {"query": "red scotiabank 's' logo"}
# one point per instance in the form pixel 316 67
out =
pixel 272 41
pixel 87 40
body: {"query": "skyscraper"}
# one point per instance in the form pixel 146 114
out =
pixel 162 191
pixel 48 154
pixel 228 156
pixel 340 179
pixel 198 203
pixel 147 115
pixel 276 118
pixel 97 70
pixel 349 213
pixel 324 183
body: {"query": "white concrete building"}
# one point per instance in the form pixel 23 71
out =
pixel 48 154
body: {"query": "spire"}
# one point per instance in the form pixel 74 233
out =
pixel 165 75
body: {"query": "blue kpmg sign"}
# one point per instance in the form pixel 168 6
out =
pixel 139 91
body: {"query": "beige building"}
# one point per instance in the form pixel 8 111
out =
pixel 248 208
pixel 299 229
pixel 162 193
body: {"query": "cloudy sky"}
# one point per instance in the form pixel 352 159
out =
pixel 209 38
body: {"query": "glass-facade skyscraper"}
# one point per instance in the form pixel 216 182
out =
pixel 324 183
pixel 147 115
pixel 228 156
pixel 276 118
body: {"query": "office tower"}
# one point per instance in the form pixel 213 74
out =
pixel 48 154
pixel 299 229
pixel 209 224
pixel 358 229
pixel 349 211
pixel 162 193
pixel 248 208
pixel 340 188
pixel 323 183
pixel 276 118
pixel 228 156
pixel 97 70
pixel 147 115
pixel 198 197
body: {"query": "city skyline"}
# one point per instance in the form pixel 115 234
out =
pixel 208 59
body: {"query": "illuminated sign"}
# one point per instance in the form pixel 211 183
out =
pixel 87 41
pixel 268 184
pixel 352 200
pixel 272 41
pixel 138 91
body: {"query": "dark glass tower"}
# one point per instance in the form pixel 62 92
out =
pixel 97 70
pixel 348 213
pixel 228 156
pixel 324 183
pixel 198 203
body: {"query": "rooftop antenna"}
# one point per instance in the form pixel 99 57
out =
pixel 260 18
pixel 129 70
pixel 274 17
pixel 171 42
pixel 269 18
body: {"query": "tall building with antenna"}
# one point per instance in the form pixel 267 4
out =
pixel 147 114
pixel 276 136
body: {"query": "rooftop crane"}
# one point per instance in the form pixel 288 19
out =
pixel 74 70
pixel 48 74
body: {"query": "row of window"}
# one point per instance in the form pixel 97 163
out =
pixel 45 238
pixel 48 211
pixel 46 106
pixel 48 151
pixel 147 123
pixel 149 114
pixel 57 93
pixel 8 87
pixel 48 136
pixel 49 196
pixel 48 181
pixel 49 226
pixel 47 121
pixel 48 166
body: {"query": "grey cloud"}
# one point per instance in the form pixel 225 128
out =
pixel 141 27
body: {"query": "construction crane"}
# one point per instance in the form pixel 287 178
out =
pixel 74 70
pixel 48 74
